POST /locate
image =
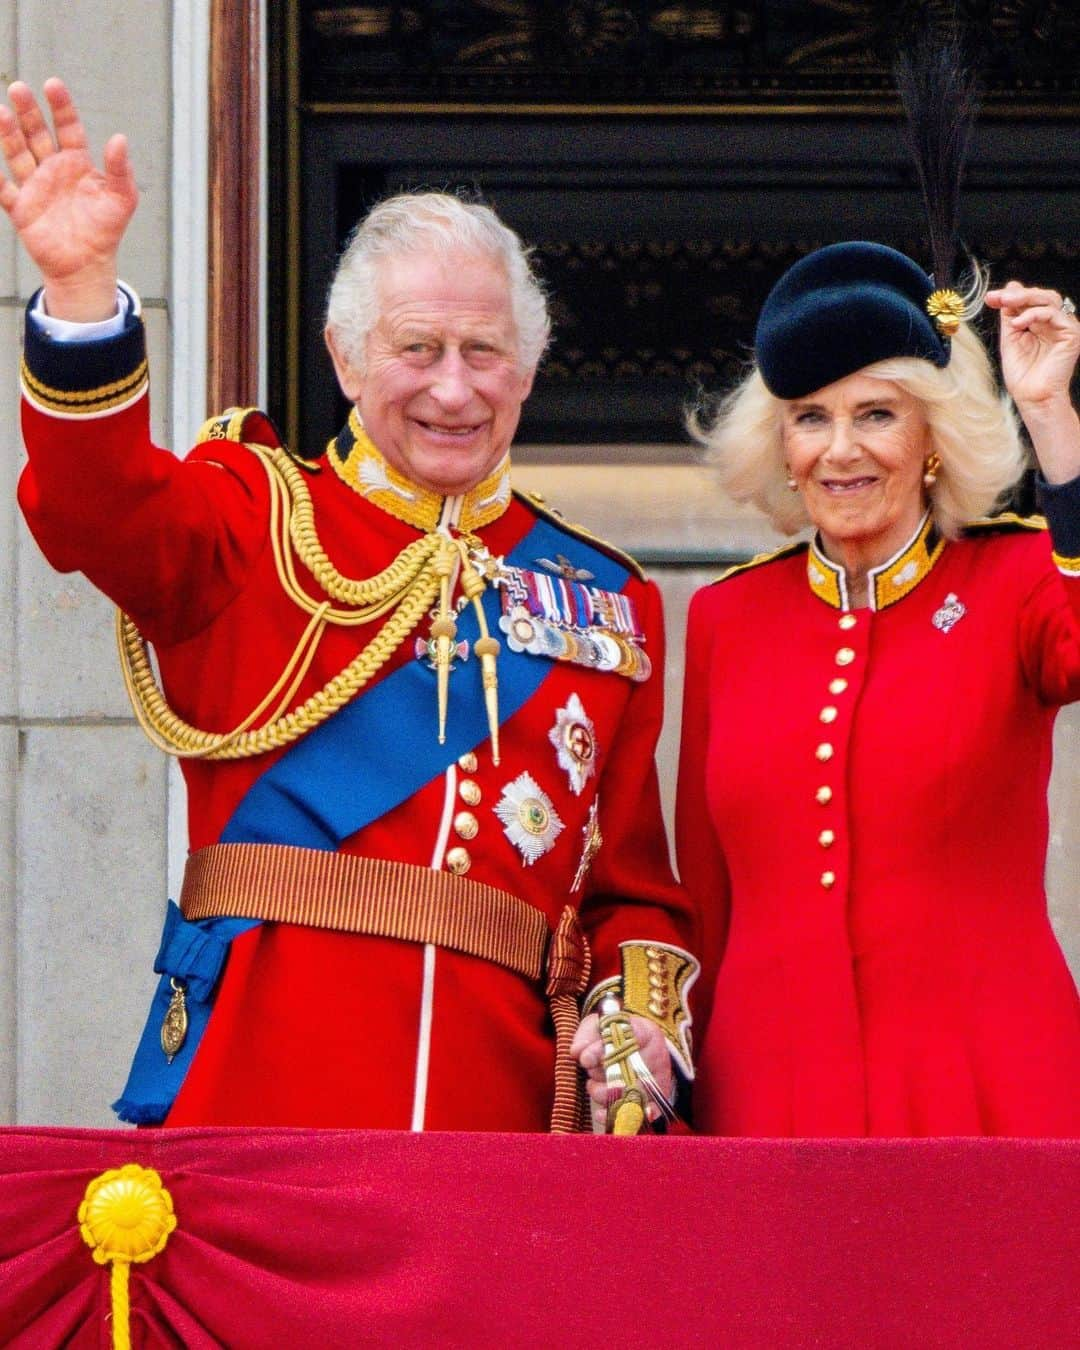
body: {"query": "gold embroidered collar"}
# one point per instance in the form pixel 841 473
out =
pixel 889 582
pixel 358 463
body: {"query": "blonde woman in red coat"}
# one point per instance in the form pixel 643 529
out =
pixel 862 814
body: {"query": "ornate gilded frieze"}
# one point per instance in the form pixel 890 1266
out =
pixel 684 312
pixel 678 52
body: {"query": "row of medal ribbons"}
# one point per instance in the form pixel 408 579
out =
pixel 565 620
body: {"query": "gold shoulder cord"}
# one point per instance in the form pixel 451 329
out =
pixel 408 586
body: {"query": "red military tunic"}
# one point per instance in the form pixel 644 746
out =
pixel 324 1028
pixel 862 820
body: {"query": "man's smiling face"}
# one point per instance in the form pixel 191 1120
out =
pixel 440 391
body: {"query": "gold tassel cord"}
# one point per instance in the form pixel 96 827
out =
pixel 406 589
pixel 292 519
pixel 408 586
pixel 626 1113
pixel 125 1218
pixel 309 550
pixel 172 734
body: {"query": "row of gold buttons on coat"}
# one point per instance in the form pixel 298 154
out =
pixel 466 825
pixel 826 750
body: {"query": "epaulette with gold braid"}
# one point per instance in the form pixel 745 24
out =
pixel 248 426
pixel 759 559
pixel 1007 523
pixel 536 503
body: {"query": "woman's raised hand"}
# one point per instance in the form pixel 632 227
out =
pixel 1040 342
pixel 69 214
pixel 1040 346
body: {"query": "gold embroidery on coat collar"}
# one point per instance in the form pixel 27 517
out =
pixel 358 463
pixel 888 583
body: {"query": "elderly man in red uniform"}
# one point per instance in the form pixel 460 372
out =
pixel 416 712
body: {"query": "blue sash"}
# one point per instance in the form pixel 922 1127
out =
pixel 372 755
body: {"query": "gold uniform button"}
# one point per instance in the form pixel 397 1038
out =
pixel 827 715
pixel 466 826
pixel 826 838
pixel 845 656
pixel 824 751
pixel 469 792
pixel 838 685
pixel 458 861
pixel 467 762
pixel 848 621
pixel 824 794
pixel 828 879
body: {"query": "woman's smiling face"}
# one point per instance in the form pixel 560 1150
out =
pixel 857 451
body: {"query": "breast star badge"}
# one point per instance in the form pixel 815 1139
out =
pixel 529 818
pixel 574 739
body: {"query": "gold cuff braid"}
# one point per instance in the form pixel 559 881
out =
pixel 656 978
pixel 654 983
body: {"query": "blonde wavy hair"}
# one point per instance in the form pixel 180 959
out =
pixel 973 427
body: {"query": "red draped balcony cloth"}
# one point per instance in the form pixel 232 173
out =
pixel 307 1238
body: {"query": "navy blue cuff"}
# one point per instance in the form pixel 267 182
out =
pixel 1060 504
pixel 84 378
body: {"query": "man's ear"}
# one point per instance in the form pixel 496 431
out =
pixel 347 376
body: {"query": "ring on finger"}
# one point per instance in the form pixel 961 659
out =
pixel 1067 306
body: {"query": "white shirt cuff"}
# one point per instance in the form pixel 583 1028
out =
pixel 64 330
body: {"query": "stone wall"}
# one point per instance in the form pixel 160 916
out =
pixel 82 794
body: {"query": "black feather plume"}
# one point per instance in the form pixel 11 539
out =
pixel 939 93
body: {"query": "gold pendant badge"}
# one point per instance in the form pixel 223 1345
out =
pixel 174 1028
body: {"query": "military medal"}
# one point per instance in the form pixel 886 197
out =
pixel 427 649
pixel 591 840
pixel 529 818
pixel 609 650
pixel 564 619
pixel 520 629
pixel 174 1028
pixel 574 739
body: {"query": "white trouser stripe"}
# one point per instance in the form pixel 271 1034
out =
pixel 449 515
pixel 427 992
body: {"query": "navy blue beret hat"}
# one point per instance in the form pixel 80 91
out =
pixel 841 308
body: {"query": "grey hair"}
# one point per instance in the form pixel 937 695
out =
pixel 411 222
pixel 972 425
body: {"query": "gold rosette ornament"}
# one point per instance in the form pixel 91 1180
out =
pixel 946 308
pixel 126 1216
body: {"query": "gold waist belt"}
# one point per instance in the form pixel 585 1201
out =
pixel 280 883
